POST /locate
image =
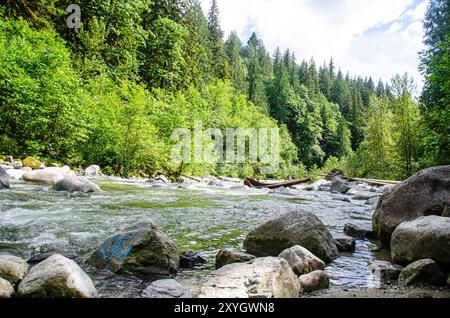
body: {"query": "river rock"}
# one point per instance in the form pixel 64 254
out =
pixel 57 277
pixel 191 259
pixel 33 163
pixel 17 165
pixel 313 281
pixel 425 237
pixel 301 260
pixel 4 179
pixel 15 174
pixel 426 193
pixel 166 288
pixel 141 250
pixel 43 256
pixel 446 212
pixel 373 201
pixel 6 289
pixel 12 268
pixel 422 272
pixel 294 228
pixel 43 176
pixel 364 196
pixel 9 159
pixel 385 271
pixel 345 243
pixel 267 277
pixel 340 185
pixel 230 256
pixel 76 184
pixel 92 171
pixel 356 231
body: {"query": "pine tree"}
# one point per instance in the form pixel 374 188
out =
pixel 238 67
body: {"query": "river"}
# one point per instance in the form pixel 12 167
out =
pixel 35 219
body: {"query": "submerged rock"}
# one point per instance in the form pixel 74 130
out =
pixel 356 231
pixel 345 243
pixel 230 256
pixel 425 237
pixel 422 272
pixel 313 281
pixel 166 288
pixel 76 184
pixel 426 193
pixel 57 277
pixel 12 268
pixel 6 289
pixel 385 271
pixel 295 228
pixel 268 277
pixel 191 259
pixel 340 185
pixel 364 196
pixel 301 260
pixel 4 179
pixel 141 250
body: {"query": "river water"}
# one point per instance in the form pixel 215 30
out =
pixel 35 219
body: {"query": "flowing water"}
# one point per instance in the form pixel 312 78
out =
pixel 35 219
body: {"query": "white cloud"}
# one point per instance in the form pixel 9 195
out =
pixel 370 37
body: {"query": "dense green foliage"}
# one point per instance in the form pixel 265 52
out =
pixel 113 92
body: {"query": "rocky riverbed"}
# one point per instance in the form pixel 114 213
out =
pixel 205 216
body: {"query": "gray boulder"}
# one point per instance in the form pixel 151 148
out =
pixel 6 289
pixel 57 277
pixel 92 171
pixel 166 288
pixel 364 196
pixel 267 277
pixel 356 231
pixel 141 250
pixel 4 179
pixel 340 185
pixel 313 281
pixel 422 272
pixel 425 237
pixel 76 184
pixel 426 193
pixel 345 243
pixel 230 256
pixel 385 271
pixel 301 260
pixel 12 268
pixel 295 228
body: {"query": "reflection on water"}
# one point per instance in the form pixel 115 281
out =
pixel 35 219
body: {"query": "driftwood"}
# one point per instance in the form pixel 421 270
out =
pixel 368 181
pixel 190 177
pixel 250 182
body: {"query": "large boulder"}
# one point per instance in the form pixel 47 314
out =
pixel 4 179
pixel 57 277
pixel 141 250
pixel 301 260
pixel 422 272
pixel 295 228
pixel 43 176
pixel 6 289
pixel 340 185
pixel 15 174
pixel 268 277
pixel 426 193
pixel 313 281
pixel 76 184
pixel 425 237
pixel 230 256
pixel 12 268
pixel 166 288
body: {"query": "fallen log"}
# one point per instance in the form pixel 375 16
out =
pixel 253 183
pixel 368 181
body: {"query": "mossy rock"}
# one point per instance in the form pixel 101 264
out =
pixel 32 163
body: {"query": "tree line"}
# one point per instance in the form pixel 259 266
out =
pixel 112 92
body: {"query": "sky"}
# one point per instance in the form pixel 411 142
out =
pixel 377 38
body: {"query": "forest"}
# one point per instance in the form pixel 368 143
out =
pixel 112 92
